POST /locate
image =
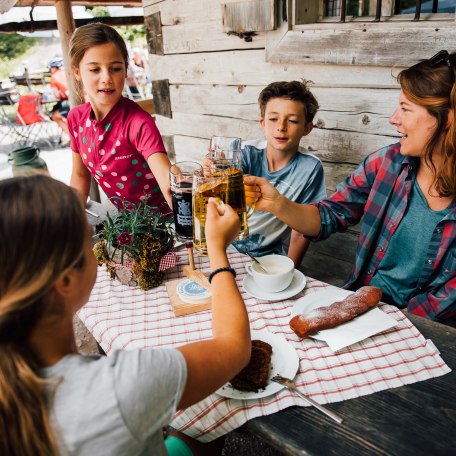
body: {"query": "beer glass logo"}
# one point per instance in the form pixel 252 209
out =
pixel 184 215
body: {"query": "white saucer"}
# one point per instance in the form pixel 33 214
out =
pixel 297 284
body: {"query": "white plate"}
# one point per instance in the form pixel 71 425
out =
pixel 323 298
pixel 284 361
pixel 361 327
pixel 297 284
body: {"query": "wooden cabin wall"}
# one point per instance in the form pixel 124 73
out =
pixel 214 81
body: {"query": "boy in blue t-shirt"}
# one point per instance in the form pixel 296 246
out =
pixel 287 111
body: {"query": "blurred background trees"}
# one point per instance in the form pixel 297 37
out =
pixel 16 49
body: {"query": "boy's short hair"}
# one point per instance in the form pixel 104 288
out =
pixel 291 90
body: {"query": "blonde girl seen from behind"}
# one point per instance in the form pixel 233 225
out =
pixel 42 243
pixel 54 401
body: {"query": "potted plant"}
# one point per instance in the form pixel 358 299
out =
pixel 136 245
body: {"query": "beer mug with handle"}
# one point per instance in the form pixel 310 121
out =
pixel 221 178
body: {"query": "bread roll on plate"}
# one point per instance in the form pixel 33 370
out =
pixel 337 313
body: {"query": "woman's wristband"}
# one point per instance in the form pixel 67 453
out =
pixel 226 269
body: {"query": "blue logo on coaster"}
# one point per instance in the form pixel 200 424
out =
pixel 189 289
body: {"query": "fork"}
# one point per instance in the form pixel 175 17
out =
pixel 291 385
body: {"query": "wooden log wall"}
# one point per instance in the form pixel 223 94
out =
pixel 214 79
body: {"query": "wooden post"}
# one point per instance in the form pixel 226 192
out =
pixel 191 259
pixel 66 26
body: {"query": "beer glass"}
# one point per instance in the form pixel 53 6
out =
pixel 181 175
pixel 224 152
pixel 221 178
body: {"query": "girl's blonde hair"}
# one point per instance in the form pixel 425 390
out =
pixel 90 35
pixel 42 233
pixel 434 88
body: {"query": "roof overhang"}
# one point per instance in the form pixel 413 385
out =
pixel 78 2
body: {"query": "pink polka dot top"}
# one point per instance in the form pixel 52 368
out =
pixel 115 150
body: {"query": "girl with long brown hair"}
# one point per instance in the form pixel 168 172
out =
pixel 113 139
pixel 54 401
pixel 404 196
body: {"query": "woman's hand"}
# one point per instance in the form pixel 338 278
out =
pixel 222 225
pixel 261 193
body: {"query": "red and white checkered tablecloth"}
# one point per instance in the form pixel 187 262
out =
pixel 122 317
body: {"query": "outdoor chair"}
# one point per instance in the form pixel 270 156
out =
pixel 8 97
pixel 22 120
pixel 133 92
pixel 133 84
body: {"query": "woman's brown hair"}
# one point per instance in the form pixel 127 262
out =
pixel 42 232
pixel 432 85
pixel 94 34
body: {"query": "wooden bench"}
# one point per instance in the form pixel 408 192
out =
pixel 147 104
pixel 332 260
pixel 31 80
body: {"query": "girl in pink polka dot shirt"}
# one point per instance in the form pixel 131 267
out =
pixel 112 138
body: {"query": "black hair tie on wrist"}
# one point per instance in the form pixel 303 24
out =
pixel 227 269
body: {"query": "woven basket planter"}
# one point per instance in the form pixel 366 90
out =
pixel 144 273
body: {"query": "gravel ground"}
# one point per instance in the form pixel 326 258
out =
pixel 85 342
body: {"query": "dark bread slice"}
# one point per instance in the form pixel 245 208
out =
pixel 255 375
pixel 262 344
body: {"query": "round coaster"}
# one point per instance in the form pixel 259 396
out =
pixel 192 293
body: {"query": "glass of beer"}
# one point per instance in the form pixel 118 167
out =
pixel 181 178
pixel 224 152
pixel 221 178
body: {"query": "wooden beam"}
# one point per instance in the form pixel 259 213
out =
pixel 28 26
pixel 154 33
pixel 353 43
pixel 162 100
pixel 248 15
pixel 137 3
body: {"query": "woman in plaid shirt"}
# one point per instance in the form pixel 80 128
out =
pixel 404 196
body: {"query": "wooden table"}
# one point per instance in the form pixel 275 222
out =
pixel 414 419
pixel 417 419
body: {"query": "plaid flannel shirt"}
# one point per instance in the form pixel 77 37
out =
pixel 378 192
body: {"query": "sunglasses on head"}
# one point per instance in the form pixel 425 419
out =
pixel 442 57
pixel 439 58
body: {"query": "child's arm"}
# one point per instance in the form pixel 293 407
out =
pixel 298 247
pixel 159 164
pixel 80 177
pixel 211 363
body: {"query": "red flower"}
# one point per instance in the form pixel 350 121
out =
pixel 124 238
